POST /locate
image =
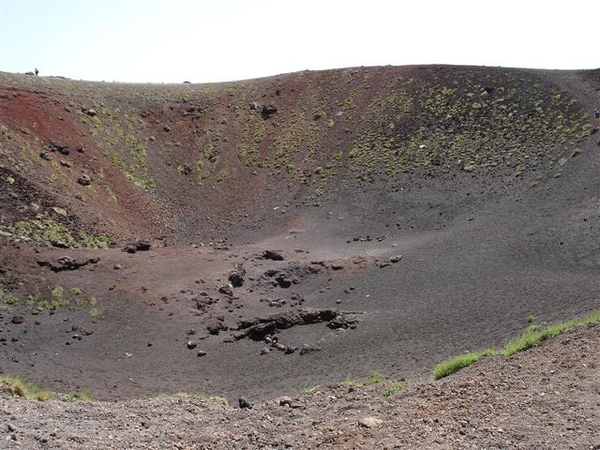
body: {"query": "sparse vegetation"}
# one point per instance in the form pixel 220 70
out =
pixel 375 378
pixel 531 337
pixel 95 312
pixel 22 388
pixel 45 229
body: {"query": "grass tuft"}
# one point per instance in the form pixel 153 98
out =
pixel 456 363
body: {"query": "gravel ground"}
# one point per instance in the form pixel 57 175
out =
pixel 544 398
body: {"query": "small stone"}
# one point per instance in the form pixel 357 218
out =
pixel 84 180
pixel 91 112
pixel 11 427
pixel 370 422
pixel 18 320
pixel 265 351
pixel 192 344
pixel 395 259
pixel 284 401
pixel 201 353
pixel 117 267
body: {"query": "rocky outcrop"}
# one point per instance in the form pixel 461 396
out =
pixel 256 329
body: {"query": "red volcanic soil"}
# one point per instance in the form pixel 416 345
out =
pixel 413 213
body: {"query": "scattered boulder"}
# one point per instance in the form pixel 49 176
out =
pixel 283 280
pixel 192 344
pixel 395 259
pixel 84 180
pixel 216 327
pixel 284 401
pixel 309 349
pixel 90 112
pixel 236 277
pixel 62 149
pixel 201 353
pixel 45 155
pixel 226 289
pixel 67 263
pixel 273 255
pixel 343 320
pixel 18 320
pixel 244 403
pixel 277 303
pixel 140 245
pixel 370 422
pixel 268 111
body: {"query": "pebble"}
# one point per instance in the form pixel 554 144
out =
pixel 370 422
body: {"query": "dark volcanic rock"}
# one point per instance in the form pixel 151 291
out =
pixel 62 149
pixel 140 245
pixel 244 403
pixel 67 263
pixel 45 154
pixel 226 289
pixel 274 255
pixel 18 320
pixel 216 327
pixel 268 111
pixel 236 278
pixel 256 329
pixel 342 321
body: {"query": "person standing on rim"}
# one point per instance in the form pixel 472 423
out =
pixel 36 72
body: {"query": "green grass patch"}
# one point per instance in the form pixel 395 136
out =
pixel 531 337
pixel 376 378
pixel 26 389
pixel 83 396
pixel 456 363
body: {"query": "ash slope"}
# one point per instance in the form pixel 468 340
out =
pixel 483 180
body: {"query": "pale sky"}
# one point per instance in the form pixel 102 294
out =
pixel 167 41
